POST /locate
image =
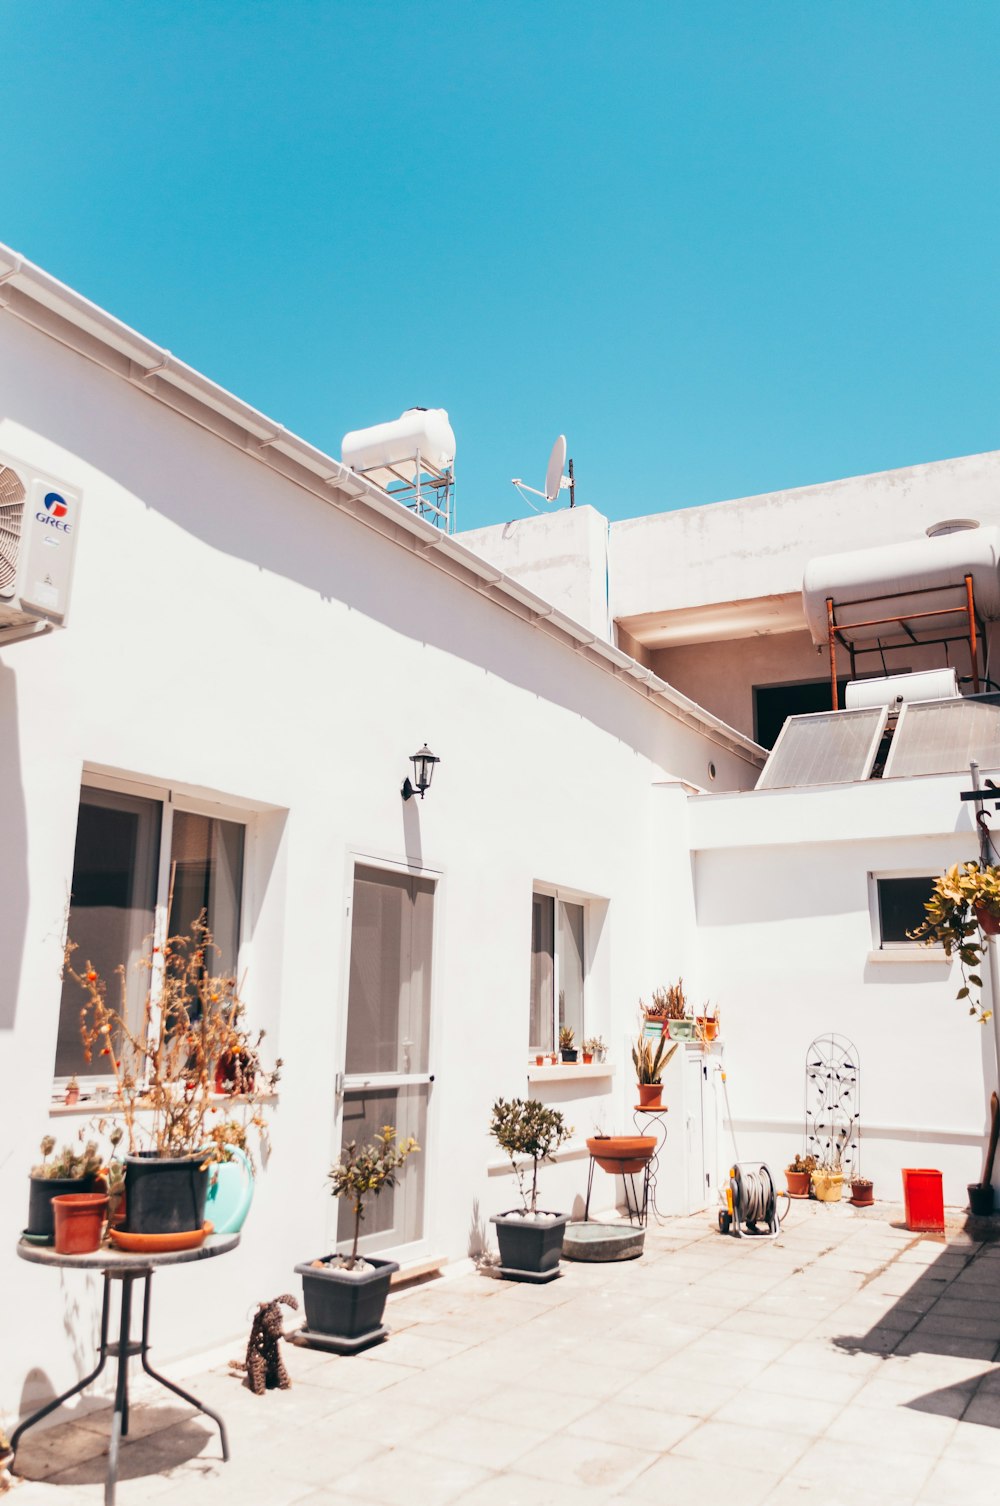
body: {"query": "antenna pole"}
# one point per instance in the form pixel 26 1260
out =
pixel 572 486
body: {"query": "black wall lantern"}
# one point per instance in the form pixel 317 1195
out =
pixel 423 772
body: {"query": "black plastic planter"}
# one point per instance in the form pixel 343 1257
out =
pixel 343 1308
pixel 981 1199
pixel 530 1247
pixel 164 1195
pixel 568 1053
pixel 41 1220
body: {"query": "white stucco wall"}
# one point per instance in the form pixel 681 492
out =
pixel 563 555
pixel 786 946
pixel 234 637
pixel 759 546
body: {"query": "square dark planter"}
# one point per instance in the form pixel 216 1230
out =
pixel 530 1246
pixel 41 1219
pixel 345 1308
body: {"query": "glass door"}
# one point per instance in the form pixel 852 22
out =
pixel 386 1078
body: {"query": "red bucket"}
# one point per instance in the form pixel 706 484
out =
pixel 923 1196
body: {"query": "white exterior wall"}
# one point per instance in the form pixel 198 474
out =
pixel 785 946
pixel 233 636
pixel 759 546
pixel 563 555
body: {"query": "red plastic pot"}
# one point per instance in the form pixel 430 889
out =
pixel 923 1197
pixel 79 1220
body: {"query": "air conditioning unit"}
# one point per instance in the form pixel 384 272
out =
pixel 39 520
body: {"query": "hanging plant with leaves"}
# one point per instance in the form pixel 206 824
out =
pixel 963 908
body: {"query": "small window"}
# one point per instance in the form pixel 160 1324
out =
pixel 121 894
pixel 901 904
pixel 558 971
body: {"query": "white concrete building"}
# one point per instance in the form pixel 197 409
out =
pixel 258 640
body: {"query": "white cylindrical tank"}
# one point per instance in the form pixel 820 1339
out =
pixel 423 431
pixel 885 580
pixel 892 690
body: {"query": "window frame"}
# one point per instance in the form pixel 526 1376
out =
pixel 170 799
pixel 560 895
pixel 880 948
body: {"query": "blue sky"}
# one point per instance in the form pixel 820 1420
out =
pixel 724 247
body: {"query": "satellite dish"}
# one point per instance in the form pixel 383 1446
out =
pixel 555 481
pixel 555 468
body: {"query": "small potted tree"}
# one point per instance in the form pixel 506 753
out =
pixel 530 1238
pixel 650 1058
pixel 345 1295
pixel 190 1045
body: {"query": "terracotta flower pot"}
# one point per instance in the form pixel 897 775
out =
pixel 989 923
pixel 622 1155
pixel 707 1029
pixel 649 1094
pixel 798 1183
pixel 588 1057
pixel 79 1218
pixel 862 1193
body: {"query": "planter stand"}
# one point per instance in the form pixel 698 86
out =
pixel 126 1269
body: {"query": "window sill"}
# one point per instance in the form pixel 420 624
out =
pixel 918 954
pixel 106 1108
pixel 570 1071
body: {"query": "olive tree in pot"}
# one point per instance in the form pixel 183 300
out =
pixel 345 1295
pixel 164 1070
pixel 530 1238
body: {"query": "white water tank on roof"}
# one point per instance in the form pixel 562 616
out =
pixel 889 581
pixel 894 690
pixel 423 431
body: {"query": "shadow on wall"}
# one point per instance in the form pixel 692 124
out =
pixel 947 1307
pixel 242 509
pixel 14 873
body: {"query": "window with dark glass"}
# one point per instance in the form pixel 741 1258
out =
pixel 901 904
pixel 115 897
pixel 557 971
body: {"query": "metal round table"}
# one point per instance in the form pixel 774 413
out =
pixel 116 1265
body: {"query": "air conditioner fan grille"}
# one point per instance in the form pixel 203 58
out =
pixel 12 495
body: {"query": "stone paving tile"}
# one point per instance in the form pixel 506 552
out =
pixel 404 1476
pixel 882 1476
pixel 713 1369
pixel 956 1482
pixel 697 1482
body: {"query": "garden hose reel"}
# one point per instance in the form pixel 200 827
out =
pixel 751 1202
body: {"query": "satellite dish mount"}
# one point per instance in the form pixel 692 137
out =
pixel 555 481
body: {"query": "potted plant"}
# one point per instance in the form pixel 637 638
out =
pixel 649 1065
pixel 165 1073
pixel 707 1025
pixel 530 1238
pixel 862 1192
pixel 567 1050
pixel 592 1048
pixel 678 1019
pixel 72 1170
pixel 345 1295
pixel 964 908
pixel 798 1174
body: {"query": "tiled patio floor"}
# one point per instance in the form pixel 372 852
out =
pixel 849 1362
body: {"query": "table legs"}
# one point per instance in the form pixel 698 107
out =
pixel 123 1350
